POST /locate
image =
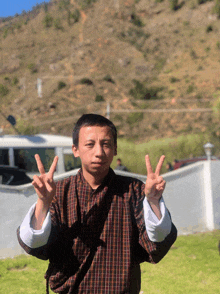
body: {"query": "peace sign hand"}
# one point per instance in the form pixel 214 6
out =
pixel 155 184
pixel 44 184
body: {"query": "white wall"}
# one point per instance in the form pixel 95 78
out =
pixel 191 195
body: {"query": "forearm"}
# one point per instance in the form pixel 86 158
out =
pixel 155 206
pixel 39 215
pixel 157 229
pixel 31 237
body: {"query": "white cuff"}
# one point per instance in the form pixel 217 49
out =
pixel 35 238
pixel 157 230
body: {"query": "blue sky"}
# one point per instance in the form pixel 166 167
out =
pixel 11 7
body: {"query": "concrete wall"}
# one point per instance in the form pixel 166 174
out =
pixel 191 195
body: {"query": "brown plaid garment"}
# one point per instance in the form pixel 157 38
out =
pixel 98 237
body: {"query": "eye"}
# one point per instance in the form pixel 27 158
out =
pixel 89 144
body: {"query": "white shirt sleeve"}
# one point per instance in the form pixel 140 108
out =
pixel 157 230
pixel 35 238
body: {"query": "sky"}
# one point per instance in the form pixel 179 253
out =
pixel 11 7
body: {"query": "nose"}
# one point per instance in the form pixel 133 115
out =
pixel 99 151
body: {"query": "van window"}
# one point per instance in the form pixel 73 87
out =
pixel 4 158
pixel 24 158
pixel 71 162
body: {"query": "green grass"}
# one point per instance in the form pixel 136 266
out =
pixel 191 266
pixel 22 274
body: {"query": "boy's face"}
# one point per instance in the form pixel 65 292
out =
pixel 96 149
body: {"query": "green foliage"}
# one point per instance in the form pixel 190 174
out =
pixel 109 79
pixel 160 62
pixel 99 98
pixel 140 92
pixel 48 21
pixel 64 4
pixel 135 36
pixel 174 148
pixel 61 85
pixel 57 24
pixel 32 67
pixel 25 128
pixel 86 81
pixel 134 118
pixel 85 3
pixel 3 90
pixel 173 4
pixel 135 19
pixel 174 80
pixel 190 89
pixel 218 45
pixel 216 8
pixel 75 15
pixel 216 104
pixel 15 81
pixel 209 29
pixel 5 33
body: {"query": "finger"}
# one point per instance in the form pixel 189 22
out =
pixel 37 183
pixel 148 165
pixel 53 167
pixel 39 164
pixel 161 186
pixel 159 165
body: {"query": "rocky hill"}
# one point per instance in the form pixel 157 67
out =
pixel 156 67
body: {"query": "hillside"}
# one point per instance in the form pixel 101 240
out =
pixel 136 55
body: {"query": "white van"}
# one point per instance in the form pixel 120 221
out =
pixel 19 150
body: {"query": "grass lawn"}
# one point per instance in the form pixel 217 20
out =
pixel 191 266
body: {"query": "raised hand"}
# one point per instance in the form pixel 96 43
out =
pixel 155 184
pixel 44 184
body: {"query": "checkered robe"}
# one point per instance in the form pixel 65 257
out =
pixel 98 237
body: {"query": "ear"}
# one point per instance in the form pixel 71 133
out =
pixel 75 151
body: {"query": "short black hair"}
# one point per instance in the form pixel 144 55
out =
pixel 89 120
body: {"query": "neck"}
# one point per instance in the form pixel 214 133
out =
pixel 94 180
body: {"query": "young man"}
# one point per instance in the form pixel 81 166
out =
pixel 96 227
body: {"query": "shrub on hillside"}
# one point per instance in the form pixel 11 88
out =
pixel 134 118
pixel 61 85
pixel 140 92
pixel 48 21
pixel 32 67
pixel 174 4
pixel 99 98
pixel 216 8
pixel 3 90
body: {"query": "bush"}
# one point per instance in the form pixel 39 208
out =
pixel 139 92
pixel 15 81
pixel 3 90
pixel 32 67
pixel 61 85
pixel 86 81
pixel 99 98
pixel 48 21
pixel 136 20
pixel 57 24
pixel 174 80
pixel 135 118
pixel 108 78
pixel 216 8
pixel 209 29
pixel 75 15
pixel 173 4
